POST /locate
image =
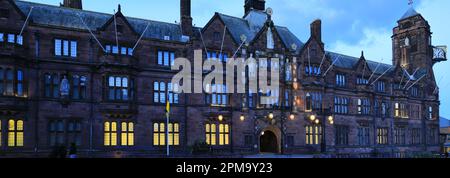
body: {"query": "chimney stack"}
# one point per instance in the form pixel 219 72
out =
pixel 254 5
pixel 316 30
pixel 186 19
pixel 75 4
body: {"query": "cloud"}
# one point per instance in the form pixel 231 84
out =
pixel 376 44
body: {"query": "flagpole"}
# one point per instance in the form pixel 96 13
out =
pixel 167 127
pixel 167 134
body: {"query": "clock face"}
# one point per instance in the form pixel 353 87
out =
pixel 406 41
pixel 438 53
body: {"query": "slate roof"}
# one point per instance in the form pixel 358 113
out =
pixel 249 26
pixel 349 62
pixel 67 17
pixel 410 13
pixel 252 24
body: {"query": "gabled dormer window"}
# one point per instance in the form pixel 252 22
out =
pixel 11 38
pixel 380 86
pixel 119 50
pixel 217 56
pixel 362 81
pixel 341 80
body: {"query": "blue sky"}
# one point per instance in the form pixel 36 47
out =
pixel 349 26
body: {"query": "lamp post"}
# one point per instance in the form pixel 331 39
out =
pixel 325 116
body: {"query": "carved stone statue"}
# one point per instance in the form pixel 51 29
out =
pixel 64 87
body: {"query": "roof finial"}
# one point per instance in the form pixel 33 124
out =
pixel 119 8
pixel 410 2
pixel 362 54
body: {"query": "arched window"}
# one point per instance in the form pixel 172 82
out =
pixel 110 131
pixel 224 134
pixel 127 134
pixel 15 133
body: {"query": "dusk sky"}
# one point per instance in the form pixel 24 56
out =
pixel 349 26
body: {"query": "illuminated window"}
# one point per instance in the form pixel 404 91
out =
pixel 110 131
pixel 159 134
pixel 127 134
pixel 430 113
pixel 400 110
pixel 15 133
pixel 211 132
pixel 224 134
pixel 313 135
pixel 382 136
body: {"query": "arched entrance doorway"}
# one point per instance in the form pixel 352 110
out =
pixel 268 142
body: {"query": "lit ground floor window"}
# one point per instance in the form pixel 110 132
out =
pixel 159 134
pixel 15 133
pixel 217 131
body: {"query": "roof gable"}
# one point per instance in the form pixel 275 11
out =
pixel 119 18
pixel 62 17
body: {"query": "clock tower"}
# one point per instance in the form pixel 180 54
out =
pixel 411 43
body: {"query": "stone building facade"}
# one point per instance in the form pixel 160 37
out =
pixel 101 82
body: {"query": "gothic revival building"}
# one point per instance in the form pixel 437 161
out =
pixel 70 76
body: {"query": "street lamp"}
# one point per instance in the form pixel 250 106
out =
pixel 271 116
pixel 220 118
pixel 242 118
pixel 312 117
pixel 292 117
pixel 325 116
